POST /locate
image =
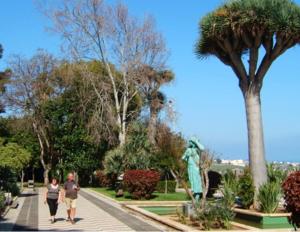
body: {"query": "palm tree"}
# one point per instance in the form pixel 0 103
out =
pixel 150 86
pixel 246 28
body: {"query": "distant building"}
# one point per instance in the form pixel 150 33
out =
pixel 239 162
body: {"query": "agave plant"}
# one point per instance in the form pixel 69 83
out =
pixel 269 196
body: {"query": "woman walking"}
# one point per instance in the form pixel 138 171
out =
pixel 53 198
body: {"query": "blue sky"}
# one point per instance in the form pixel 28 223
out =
pixel 206 93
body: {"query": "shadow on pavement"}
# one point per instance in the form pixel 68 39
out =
pixel 7 226
pixel 28 194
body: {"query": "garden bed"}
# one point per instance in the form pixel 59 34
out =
pixel 167 215
pixel 180 197
pixel 262 220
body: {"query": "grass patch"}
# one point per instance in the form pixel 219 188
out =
pixel 156 196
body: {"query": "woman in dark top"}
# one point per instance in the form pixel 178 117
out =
pixel 53 198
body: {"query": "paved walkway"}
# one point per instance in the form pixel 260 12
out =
pixel 94 214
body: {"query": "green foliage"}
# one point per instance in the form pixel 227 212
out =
pixel 170 147
pixel 246 189
pixel 155 196
pixel 137 153
pixel 275 174
pixel 14 156
pixel 70 137
pixel 249 19
pixel 230 188
pixel 269 196
pixel 214 216
pixel 138 150
pixel 170 184
pixel 2 201
pixel 8 180
pixel 114 161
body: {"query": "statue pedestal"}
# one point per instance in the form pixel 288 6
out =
pixel 188 209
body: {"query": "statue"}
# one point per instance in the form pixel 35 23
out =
pixel 192 157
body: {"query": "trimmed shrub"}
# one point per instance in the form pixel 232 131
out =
pixel 269 196
pixel 246 189
pixel 291 191
pixel 161 186
pixel 141 183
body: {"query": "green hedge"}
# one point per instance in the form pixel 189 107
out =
pixel 2 202
pixel 171 186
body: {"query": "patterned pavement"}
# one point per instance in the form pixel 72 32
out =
pixel 93 214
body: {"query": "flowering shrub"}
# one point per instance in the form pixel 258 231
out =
pixel 291 191
pixel 141 183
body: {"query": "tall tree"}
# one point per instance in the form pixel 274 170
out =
pixel 97 31
pixel 32 83
pixel 246 28
pixel 150 86
pixel 76 148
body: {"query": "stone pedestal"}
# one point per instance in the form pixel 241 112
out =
pixel 188 209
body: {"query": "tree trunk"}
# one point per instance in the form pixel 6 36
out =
pixel 176 179
pixel 22 179
pixel 255 140
pixel 33 175
pixel 166 185
pixel 46 176
pixel 152 124
pixel 121 138
pixel 205 186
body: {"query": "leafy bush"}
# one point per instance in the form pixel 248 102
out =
pixel 136 154
pixel 291 191
pixel 230 188
pixel 2 202
pixel 214 216
pixel 231 180
pixel 8 181
pixel 114 161
pixel 275 174
pixel 269 196
pixel 161 186
pixel 138 150
pixel 14 189
pixel 141 183
pixel 228 195
pixel 246 189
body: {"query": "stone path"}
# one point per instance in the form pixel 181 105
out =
pixel 94 214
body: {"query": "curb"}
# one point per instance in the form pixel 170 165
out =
pixel 165 221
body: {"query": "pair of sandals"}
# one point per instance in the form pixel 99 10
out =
pixel 70 220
